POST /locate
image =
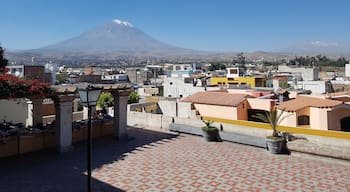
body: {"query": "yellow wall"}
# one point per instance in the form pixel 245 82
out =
pixel 247 80
pixel 300 130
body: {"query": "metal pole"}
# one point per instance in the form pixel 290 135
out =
pixel 136 76
pixel 89 150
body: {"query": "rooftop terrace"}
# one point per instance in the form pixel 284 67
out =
pixel 162 161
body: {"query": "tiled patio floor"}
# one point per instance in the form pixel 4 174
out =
pixel 154 161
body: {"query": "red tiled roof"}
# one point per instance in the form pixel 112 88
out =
pixel 220 90
pixel 343 93
pixel 301 102
pixel 216 98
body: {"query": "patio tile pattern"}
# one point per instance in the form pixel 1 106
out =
pixel 159 161
pixel 188 163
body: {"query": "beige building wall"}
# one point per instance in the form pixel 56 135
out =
pixel 289 119
pixel 223 112
pixel 262 104
pixel 305 111
pixel 14 110
pixel 319 118
pixel 242 111
pixel 239 91
pixel 335 116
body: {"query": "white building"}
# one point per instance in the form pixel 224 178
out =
pixel 16 70
pixel 115 77
pixel 347 70
pixel 316 87
pixel 183 86
pixel 232 72
pixel 303 73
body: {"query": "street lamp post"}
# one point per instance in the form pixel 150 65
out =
pixel 88 97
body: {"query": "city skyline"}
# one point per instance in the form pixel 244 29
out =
pixel 200 25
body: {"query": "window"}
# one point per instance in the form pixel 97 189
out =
pixel 345 124
pixel 303 120
pixel 233 71
pixel 188 80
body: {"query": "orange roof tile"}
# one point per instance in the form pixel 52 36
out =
pixel 301 102
pixel 220 90
pixel 343 93
pixel 216 98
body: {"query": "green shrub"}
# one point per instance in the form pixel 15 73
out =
pixel 133 97
pixel 105 100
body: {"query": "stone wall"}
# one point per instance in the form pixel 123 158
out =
pixel 20 144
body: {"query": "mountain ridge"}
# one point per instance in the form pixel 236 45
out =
pixel 121 40
pixel 110 37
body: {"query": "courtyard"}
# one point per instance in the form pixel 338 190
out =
pixel 161 161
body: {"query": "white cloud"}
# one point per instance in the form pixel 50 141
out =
pixel 324 44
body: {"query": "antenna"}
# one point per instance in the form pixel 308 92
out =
pixel 148 61
pixel 33 60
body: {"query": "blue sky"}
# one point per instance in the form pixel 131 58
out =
pixel 222 25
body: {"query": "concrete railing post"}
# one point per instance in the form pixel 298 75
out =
pixel 120 113
pixel 64 119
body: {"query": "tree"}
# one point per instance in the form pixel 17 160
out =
pixel 240 60
pixel 3 60
pixel 133 97
pixel 62 78
pixel 216 66
pixel 105 100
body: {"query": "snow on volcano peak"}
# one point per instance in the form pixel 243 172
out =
pixel 125 23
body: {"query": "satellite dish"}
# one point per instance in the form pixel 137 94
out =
pixel 277 90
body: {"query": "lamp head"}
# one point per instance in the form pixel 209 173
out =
pixel 89 95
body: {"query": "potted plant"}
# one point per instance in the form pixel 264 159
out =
pixel 275 143
pixel 210 133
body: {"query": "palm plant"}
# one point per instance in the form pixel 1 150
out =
pixel 274 118
pixel 210 132
pixel 208 126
